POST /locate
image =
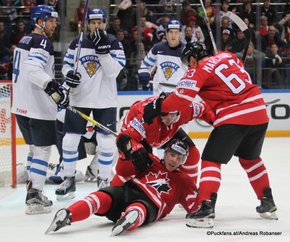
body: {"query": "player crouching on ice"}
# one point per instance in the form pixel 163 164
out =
pixel 148 196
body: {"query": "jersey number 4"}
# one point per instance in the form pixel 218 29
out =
pixel 233 77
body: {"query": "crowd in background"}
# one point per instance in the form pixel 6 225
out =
pixel 269 47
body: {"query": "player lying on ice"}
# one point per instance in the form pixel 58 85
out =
pixel 148 196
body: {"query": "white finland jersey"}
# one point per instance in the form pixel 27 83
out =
pixel 167 60
pixel 33 68
pixel 98 88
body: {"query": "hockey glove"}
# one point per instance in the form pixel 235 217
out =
pixel 144 76
pixel 152 110
pixel 101 42
pixel 73 79
pixel 124 146
pixel 141 159
pixel 58 94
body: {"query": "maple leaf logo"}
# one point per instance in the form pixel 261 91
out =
pixel 158 181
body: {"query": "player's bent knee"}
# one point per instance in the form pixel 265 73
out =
pixel 106 143
pixel 71 141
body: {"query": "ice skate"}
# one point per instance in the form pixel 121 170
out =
pixel 61 219
pixel 267 209
pixel 91 175
pixel 204 216
pixel 102 183
pixel 125 222
pixel 36 202
pixel 66 190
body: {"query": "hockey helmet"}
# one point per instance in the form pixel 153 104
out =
pixel 42 12
pixel 179 147
pixel 194 49
pixel 173 24
pixel 97 13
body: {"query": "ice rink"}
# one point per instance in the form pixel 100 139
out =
pixel 236 218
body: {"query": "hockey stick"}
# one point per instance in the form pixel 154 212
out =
pixel 81 36
pixel 241 24
pixel 208 27
pixel 163 84
pixel 173 85
pixel 89 119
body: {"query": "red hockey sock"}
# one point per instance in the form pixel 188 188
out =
pixel 210 179
pixel 96 202
pixel 257 175
pixel 142 214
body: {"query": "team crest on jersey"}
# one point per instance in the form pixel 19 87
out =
pixel 159 181
pixel 169 68
pixel 90 63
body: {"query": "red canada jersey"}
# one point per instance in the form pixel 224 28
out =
pixel 222 82
pixel 165 189
pixel 157 133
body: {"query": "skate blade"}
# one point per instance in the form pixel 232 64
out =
pixel 60 216
pixel 37 209
pixel 129 219
pixel 269 215
pixel 91 180
pixel 200 223
pixel 68 196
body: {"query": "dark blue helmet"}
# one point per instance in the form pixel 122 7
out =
pixel 42 12
pixel 97 13
pixel 173 24
pixel 194 49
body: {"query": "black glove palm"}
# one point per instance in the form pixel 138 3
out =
pixel 101 42
pixel 73 79
pixel 141 160
pixel 58 94
pixel 124 145
pixel 152 110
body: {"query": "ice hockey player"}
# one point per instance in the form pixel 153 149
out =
pixel 143 136
pixel 36 95
pixel 93 89
pixel 150 195
pixel 240 125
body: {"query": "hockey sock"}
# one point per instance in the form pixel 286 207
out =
pixel 210 180
pixel 142 214
pixel 38 168
pixel 105 164
pixel 29 158
pixel 96 202
pixel 191 164
pixel 70 153
pixel 257 174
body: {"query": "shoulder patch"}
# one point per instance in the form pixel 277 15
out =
pixel 138 126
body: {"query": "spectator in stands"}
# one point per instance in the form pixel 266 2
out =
pixel 284 24
pixel 247 11
pixel 146 12
pixel 114 26
pixel 25 12
pixel 269 11
pixel 252 31
pixel 18 32
pixel 197 34
pixel 239 42
pixel 9 13
pixel 224 11
pixel 252 60
pixel 161 29
pixel 225 25
pixel 121 36
pixel 210 11
pixel 4 35
pixel 186 12
pixel 272 37
pixel 75 23
pixel 274 76
pixel 187 35
pixel 127 15
pixel 263 30
pixel 226 43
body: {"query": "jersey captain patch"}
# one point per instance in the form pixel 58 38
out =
pixel 159 181
pixel 169 68
pixel 90 63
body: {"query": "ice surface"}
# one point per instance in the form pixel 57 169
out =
pixel 235 209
